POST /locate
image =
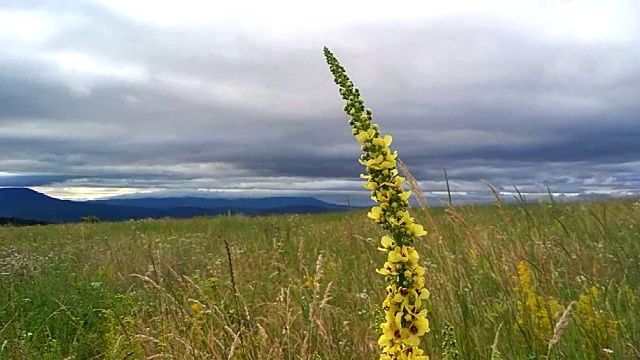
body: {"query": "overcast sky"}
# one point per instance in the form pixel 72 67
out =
pixel 120 96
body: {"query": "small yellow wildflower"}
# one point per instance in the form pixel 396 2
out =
pixel 195 308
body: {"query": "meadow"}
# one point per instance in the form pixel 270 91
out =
pixel 525 281
pixel 304 286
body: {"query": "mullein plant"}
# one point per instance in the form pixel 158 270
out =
pixel 405 319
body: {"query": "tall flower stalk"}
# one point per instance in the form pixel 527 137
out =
pixel 405 319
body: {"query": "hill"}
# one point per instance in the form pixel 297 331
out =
pixel 28 204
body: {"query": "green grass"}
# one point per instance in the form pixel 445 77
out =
pixel 307 287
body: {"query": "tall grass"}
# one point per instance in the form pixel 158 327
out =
pixel 163 289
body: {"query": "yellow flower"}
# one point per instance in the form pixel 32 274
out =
pixel 386 241
pixel 382 196
pixel 389 306
pixel 423 294
pixel 420 325
pixel 415 272
pixel 417 230
pixel 404 254
pixel 391 156
pixel 387 164
pixel 370 185
pixel 391 337
pixel 401 217
pixel 402 296
pixel 365 135
pixel 409 298
pixel 409 338
pixel 373 163
pixel 388 269
pixel 196 309
pixel 404 196
pixel 375 213
pixel 413 354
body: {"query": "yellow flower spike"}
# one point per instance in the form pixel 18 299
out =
pixel 405 320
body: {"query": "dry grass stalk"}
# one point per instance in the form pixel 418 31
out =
pixel 413 184
pixel 561 325
pixel 246 322
pixel 495 354
pixel 159 356
pixel 422 199
pixel 236 341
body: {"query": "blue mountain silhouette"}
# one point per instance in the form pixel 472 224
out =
pixel 24 203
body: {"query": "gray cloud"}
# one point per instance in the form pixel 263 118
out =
pixel 32 180
pixel 100 99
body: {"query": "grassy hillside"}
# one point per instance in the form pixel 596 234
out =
pixel 307 286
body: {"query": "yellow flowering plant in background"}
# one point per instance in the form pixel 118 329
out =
pixel 536 315
pixel 405 319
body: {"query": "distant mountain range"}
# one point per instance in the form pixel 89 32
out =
pixel 27 204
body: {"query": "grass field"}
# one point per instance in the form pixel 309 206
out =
pixel 305 287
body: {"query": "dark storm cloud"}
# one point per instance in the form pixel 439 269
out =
pixel 603 144
pixel 32 180
pixel 483 98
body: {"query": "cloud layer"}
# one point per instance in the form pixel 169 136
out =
pixel 108 95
